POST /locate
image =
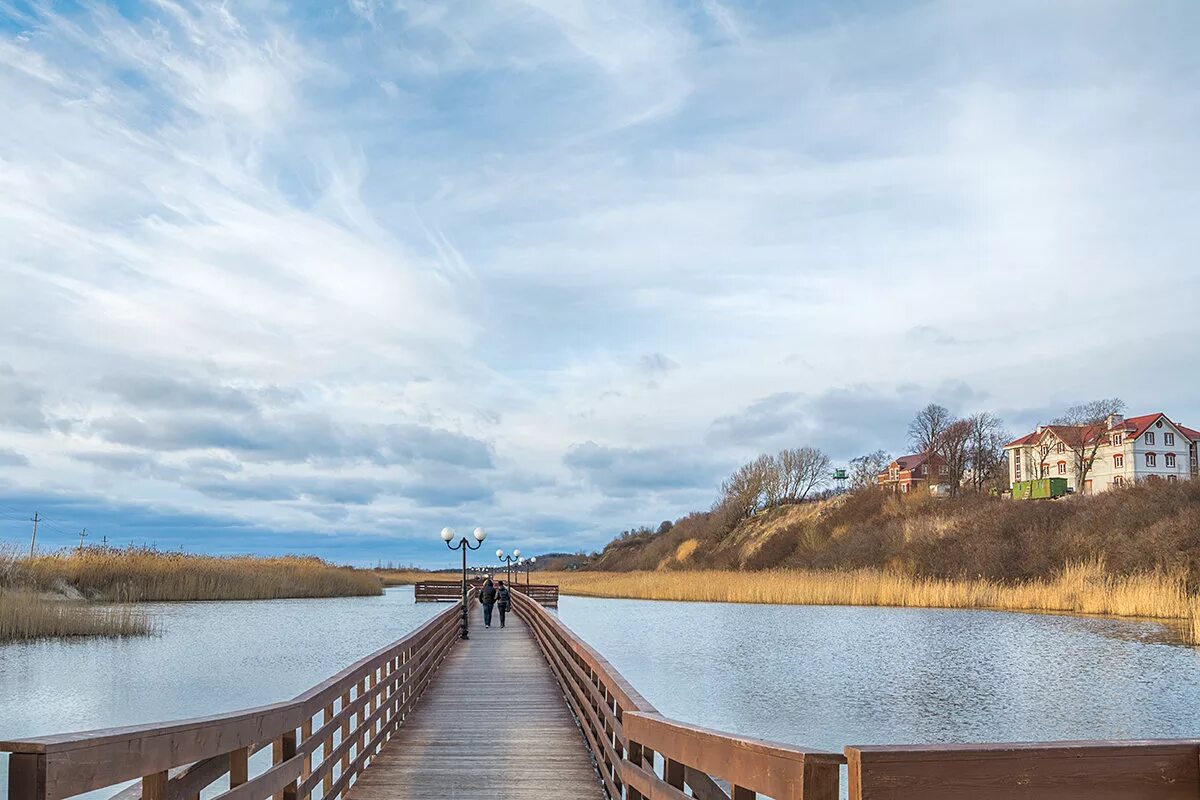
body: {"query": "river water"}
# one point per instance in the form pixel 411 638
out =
pixel 831 676
pixel 823 676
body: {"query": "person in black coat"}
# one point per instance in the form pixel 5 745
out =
pixel 487 598
pixel 504 599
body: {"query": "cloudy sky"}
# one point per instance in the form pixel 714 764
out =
pixel 325 277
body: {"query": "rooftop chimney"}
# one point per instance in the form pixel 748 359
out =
pixel 1115 420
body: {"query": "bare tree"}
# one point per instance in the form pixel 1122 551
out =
pixel 864 470
pixel 953 446
pixel 801 470
pixel 1090 424
pixel 742 493
pixel 927 427
pixel 986 448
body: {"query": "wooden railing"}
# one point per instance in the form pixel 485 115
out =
pixel 450 591
pixel 642 754
pixel 1133 770
pixel 320 741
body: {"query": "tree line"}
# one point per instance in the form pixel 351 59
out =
pixel 971 449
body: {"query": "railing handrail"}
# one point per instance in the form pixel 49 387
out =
pixel 613 715
pixel 335 684
pixel 372 696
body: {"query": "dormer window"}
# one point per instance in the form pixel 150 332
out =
pixel 1116 439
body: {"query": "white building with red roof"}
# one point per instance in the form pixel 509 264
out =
pixel 1130 449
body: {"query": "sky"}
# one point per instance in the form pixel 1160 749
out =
pixel 326 277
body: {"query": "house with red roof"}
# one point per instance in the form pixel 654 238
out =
pixel 909 473
pixel 1126 450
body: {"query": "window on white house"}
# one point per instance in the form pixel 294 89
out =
pixel 1151 460
pixel 1118 481
pixel 1062 468
pixel 1170 459
pixel 1118 461
pixel 1168 439
pixel 1062 448
pixel 1116 438
pixel 1149 437
pixel 1045 470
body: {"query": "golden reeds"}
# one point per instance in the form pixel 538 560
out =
pixel 26 616
pixel 1084 588
pixel 127 576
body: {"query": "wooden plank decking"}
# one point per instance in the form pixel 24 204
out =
pixel 493 724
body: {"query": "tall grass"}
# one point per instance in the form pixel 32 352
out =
pixel 26 616
pixel 1080 588
pixel 136 575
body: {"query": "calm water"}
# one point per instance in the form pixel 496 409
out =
pixel 829 676
pixel 818 676
pixel 210 658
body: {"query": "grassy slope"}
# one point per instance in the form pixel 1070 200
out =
pixel 1137 530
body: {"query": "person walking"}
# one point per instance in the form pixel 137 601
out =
pixel 504 600
pixel 487 598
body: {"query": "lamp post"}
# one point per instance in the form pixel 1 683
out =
pixel 529 568
pixel 516 556
pixel 464 544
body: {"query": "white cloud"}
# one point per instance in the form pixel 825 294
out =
pixel 538 225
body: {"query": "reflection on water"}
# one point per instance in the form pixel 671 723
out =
pixel 210 658
pixel 823 676
pixel 829 676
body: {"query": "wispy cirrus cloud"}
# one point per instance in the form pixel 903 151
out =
pixel 365 270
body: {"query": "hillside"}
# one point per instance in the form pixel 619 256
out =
pixel 1140 529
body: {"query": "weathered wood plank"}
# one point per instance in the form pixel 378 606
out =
pixel 493 725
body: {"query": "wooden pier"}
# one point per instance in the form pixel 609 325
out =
pixel 533 711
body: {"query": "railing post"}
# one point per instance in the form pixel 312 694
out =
pixel 154 786
pixel 284 749
pixel 326 751
pixel 822 781
pixel 634 756
pixel 27 776
pixel 239 767
pixel 345 731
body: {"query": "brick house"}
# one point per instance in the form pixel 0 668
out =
pixel 907 473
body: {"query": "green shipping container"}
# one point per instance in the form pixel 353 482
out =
pixel 1045 488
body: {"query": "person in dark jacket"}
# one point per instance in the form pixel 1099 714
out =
pixel 504 599
pixel 487 598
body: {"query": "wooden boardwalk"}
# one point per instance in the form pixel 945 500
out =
pixel 493 725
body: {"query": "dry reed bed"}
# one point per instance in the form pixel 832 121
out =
pixel 1078 588
pixel 25 616
pixel 128 576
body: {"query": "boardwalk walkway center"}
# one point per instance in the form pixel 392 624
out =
pixel 533 712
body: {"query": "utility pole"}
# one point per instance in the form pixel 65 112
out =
pixel 82 536
pixel 104 540
pixel 33 541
